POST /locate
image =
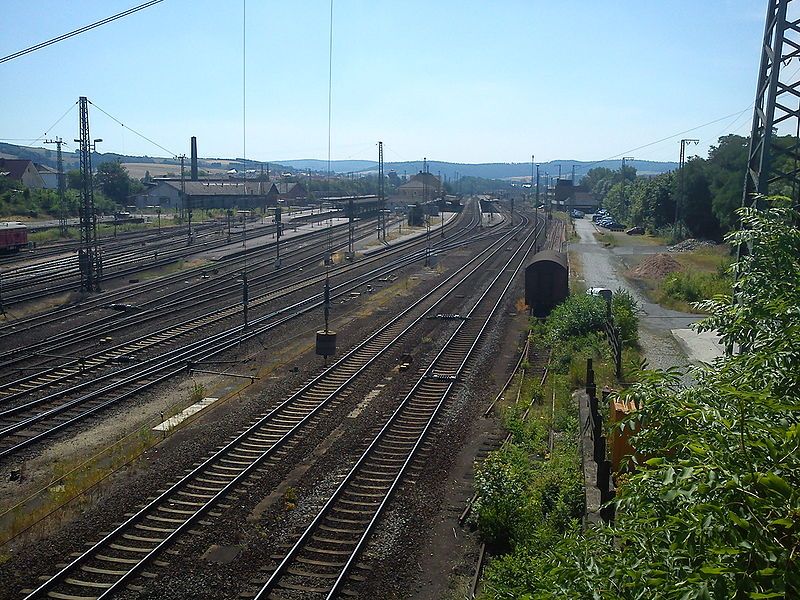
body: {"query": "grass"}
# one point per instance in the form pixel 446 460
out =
pixel 613 239
pixel 52 235
pixel 606 239
pixel 577 283
pixel 703 275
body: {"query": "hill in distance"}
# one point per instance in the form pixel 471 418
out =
pixel 449 170
pixel 484 170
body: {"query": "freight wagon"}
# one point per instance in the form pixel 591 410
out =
pixel 13 236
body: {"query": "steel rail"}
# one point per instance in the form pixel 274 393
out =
pixel 181 357
pixel 60 341
pixel 470 268
pixel 283 566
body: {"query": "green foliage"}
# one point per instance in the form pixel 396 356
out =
pixel 715 513
pixel 112 178
pixel 522 497
pixel 693 286
pixel 578 315
pixel 624 308
pixel 708 190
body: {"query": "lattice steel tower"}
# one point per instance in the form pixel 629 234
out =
pixel 777 105
pixel 89 259
pixel 62 187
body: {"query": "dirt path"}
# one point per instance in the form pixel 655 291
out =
pixel 665 336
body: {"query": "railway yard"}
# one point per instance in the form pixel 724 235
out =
pixel 167 439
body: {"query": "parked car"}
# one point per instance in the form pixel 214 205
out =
pixel 614 226
pixel 635 231
pixel 576 214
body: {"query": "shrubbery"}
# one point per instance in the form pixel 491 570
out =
pixel 689 286
pixel 624 308
pixel 578 315
pixel 716 512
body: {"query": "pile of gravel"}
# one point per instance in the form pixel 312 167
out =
pixel 655 266
pixel 691 244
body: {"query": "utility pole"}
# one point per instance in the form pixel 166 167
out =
pixel 62 188
pixel 89 259
pixel 350 241
pixel 428 241
pixel 777 90
pixel 681 183
pixel 537 185
pixel 622 172
pixel 381 193
pixel 184 202
pixel 278 233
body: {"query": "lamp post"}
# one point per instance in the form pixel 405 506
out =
pixel 681 184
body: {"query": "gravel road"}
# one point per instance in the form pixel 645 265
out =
pixel 664 334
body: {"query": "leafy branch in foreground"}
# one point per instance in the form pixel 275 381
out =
pixel 715 511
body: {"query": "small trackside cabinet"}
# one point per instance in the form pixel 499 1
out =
pixel 326 343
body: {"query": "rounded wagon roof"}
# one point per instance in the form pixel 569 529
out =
pixel 550 256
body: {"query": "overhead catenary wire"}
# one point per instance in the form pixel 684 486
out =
pixel 141 135
pixel 78 31
pixel 61 118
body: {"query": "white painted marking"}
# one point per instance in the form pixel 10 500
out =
pixel 174 421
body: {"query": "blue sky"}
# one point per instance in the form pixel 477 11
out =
pixel 461 81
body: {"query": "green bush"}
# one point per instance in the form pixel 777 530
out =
pixel 624 308
pixel 578 315
pixel 714 512
pixel 688 286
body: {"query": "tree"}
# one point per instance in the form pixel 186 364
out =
pixel 696 205
pixel 74 179
pixel 112 178
pixel 594 176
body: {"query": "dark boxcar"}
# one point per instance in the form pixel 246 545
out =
pixel 13 236
pixel 546 282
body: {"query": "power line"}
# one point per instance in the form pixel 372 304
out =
pixel 141 135
pixel 83 29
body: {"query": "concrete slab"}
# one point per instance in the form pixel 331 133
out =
pixel 370 245
pixel 176 420
pixel 699 347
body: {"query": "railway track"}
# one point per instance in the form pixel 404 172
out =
pixel 300 248
pixel 216 288
pixel 46 277
pixel 25 420
pixel 134 546
pixel 318 564
pixel 122 240
pixel 121 260
pixel 289 278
